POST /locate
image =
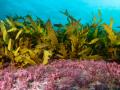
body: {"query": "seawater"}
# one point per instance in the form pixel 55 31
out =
pixel 84 9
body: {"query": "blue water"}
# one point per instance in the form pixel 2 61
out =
pixel 84 9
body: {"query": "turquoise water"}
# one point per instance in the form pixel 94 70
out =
pixel 45 9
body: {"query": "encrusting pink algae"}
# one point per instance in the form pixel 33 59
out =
pixel 63 75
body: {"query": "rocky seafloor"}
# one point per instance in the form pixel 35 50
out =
pixel 63 75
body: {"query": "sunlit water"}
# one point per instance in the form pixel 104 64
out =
pixel 84 9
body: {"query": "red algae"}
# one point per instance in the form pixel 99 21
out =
pixel 63 75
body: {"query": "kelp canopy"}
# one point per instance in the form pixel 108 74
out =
pixel 25 41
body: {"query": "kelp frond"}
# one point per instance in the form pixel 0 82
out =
pixel 26 41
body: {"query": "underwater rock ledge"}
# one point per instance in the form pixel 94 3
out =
pixel 63 75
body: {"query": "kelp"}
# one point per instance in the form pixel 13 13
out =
pixel 113 46
pixel 26 41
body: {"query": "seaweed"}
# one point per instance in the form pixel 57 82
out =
pixel 27 41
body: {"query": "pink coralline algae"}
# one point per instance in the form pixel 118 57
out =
pixel 63 75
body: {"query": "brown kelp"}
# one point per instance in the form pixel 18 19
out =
pixel 25 41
